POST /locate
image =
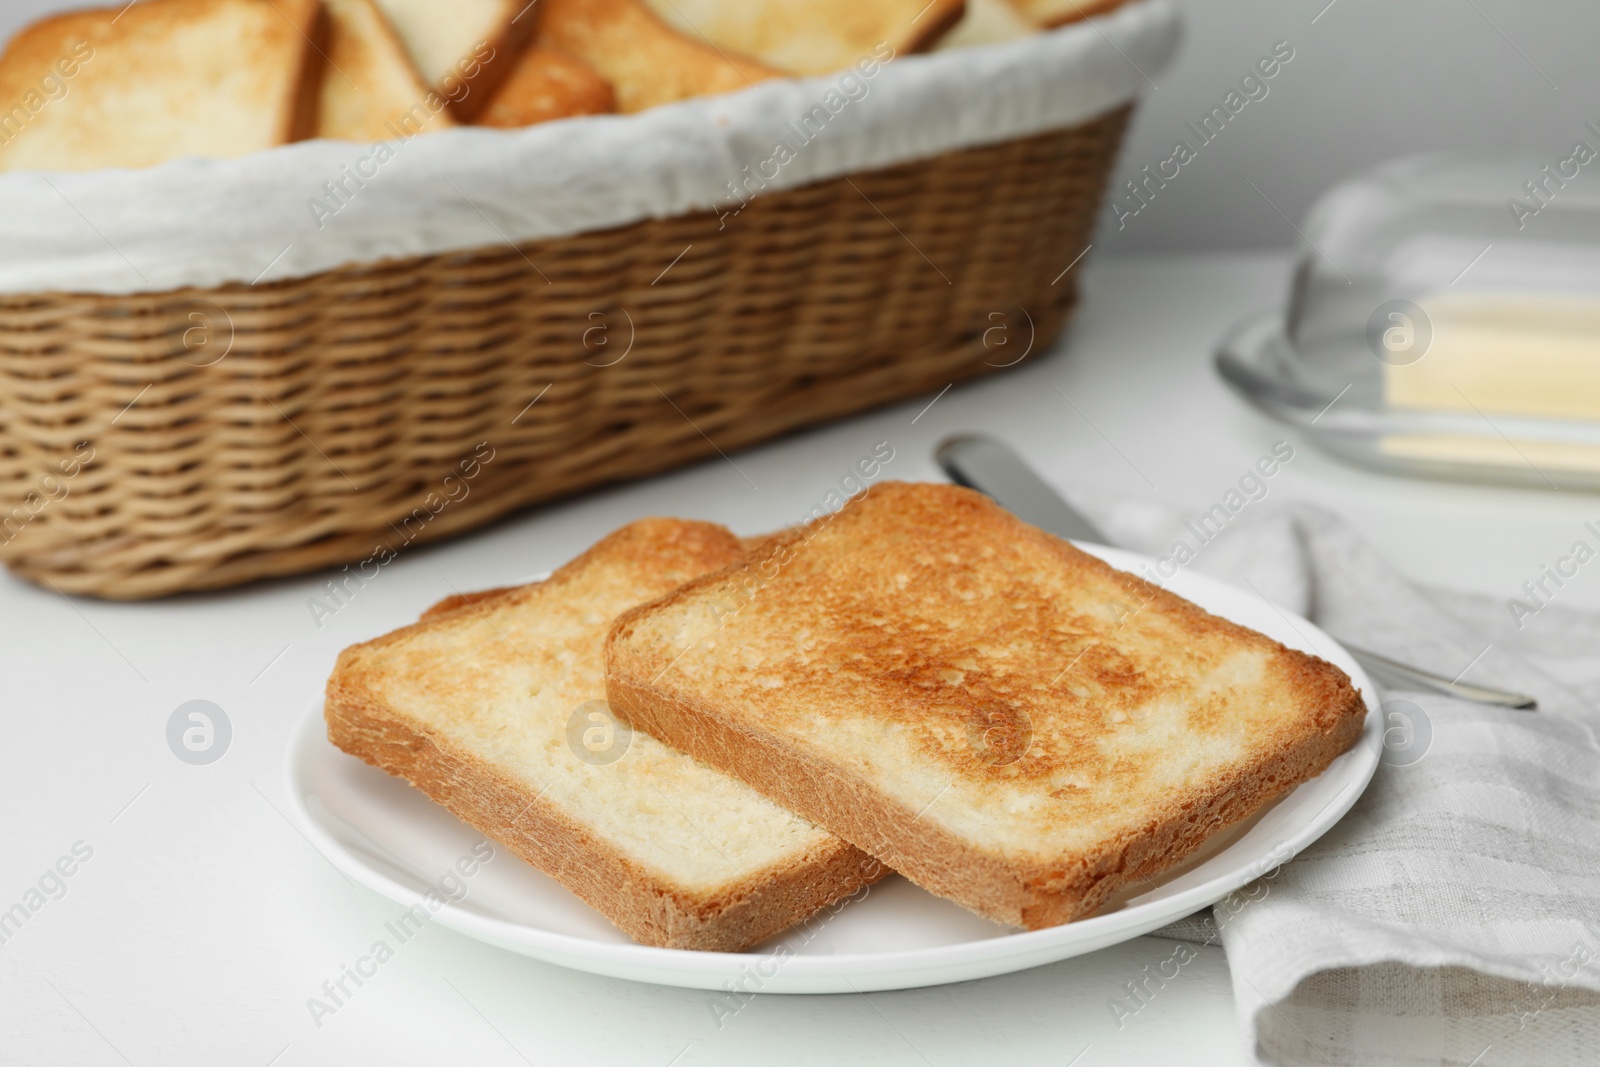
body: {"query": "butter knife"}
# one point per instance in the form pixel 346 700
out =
pixel 984 464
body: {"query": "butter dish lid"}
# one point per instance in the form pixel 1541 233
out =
pixel 1443 319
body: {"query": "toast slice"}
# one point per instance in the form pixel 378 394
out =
pixel 546 85
pixel 461 600
pixel 371 91
pixel 813 36
pixel 465 49
pixel 1053 13
pixel 133 86
pixel 1005 720
pixel 494 707
pixel 988 22
pixel 646 61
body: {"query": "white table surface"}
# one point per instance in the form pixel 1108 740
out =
pixel 204 920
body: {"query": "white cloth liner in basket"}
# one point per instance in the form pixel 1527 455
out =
pixel 203 223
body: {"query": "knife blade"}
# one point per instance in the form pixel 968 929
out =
pixel 984 464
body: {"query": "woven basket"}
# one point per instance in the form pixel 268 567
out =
pixel 156 443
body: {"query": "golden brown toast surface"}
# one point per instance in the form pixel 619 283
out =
pixel 1001 717
pixel 813 36
pixel 547 85
pixel 646 61
pixel 1052 13
pixel 493 706
pixel 132 86
pixel 371 90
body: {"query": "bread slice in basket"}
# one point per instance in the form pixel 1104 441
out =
pixel 493 706
pixel 646 60
pixel 371 90
pixel 1051 13
pixel 547 85
pixel 464 48
pixel 1002 718
pixel 987 22
pixel 136 85
pixel 813 36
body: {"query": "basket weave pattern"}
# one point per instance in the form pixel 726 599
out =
pixel 156 443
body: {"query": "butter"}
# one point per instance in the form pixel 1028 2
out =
pixel 1507 354
pixel 1549 457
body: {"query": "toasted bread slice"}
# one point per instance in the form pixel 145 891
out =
pixel 1007 721
pixel 133 86
pixel 646 61
pixel 462 600
pixel 488 705
pixel 1053 13
pixel 465 49
pixel 987 22
pixel 814 36
pixel 546 85
pixel 371 90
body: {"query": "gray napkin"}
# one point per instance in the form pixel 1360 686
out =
pixel 1453 916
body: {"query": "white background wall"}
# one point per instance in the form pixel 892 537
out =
pixel 1371 79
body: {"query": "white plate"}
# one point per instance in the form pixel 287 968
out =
pixel 389 837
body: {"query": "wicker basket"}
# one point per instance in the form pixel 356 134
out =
pixel 156 443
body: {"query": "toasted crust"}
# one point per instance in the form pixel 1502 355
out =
pixel 371 90
pixel 934 23
pixel 760 905
pixel 1053 13
pixel 646 61
pixel 814 36
pixel 310 21
pixel 457 601
pixel 137 85
pixel 926 660
pixel 375 711
pixel 756 542
pixel 547 85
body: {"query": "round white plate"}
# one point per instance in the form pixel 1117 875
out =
pixel 389 837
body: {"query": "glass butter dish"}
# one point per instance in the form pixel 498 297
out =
pixel 1443 319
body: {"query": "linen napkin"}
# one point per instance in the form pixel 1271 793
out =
pixel 1453 916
